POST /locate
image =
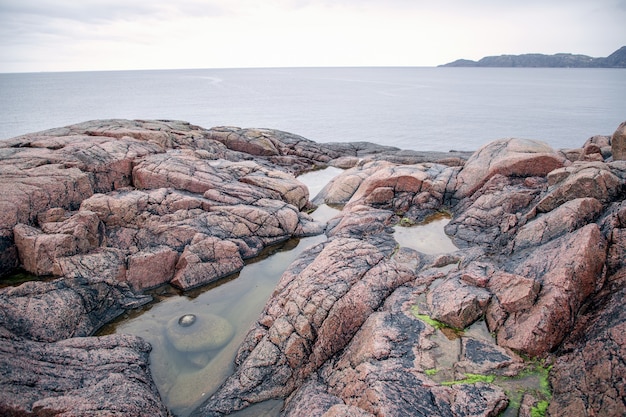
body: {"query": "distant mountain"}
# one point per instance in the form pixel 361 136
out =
pixel 616 60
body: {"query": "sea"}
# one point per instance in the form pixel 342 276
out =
pixel 419 108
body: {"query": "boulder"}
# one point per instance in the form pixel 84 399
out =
pixel 457 304
pixel 311 316
pixel 151 267
pixel 507 157
pixel 39 249
pixel 564 219
pixel 618 143
pixel 119 206
pixel 341 189
pixel 414 191
pixel 492 215
pixel 63 308
pixel 205 260
pixel 580 180
pixel 514 292
pixel 290 189
pixel 292 152
pixel 569 270
pixel 102 264
pixel 77 377
pixel 587 378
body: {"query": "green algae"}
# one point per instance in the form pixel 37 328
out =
pixel 534 381
pixel 427 319
pixel 431 372
pixel 540 409
pixel 471 379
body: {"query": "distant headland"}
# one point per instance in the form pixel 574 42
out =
pixel 616 60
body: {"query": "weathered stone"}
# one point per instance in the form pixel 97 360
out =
pixel 618 143
pixel 515 293
pixel 311 399
pixel 205 260
pixel 341 333
pixel 477 274
pixel 77 377
pixel 580 180
pixel 341 189
pixel 344 162
pixel 415 191
pixel 613 226
pixel 483 358
pixel 38 251
pixel 564 219
pixel 56 310
pixel 507 157
pixel 313 313
pixel 151 267
pixel 588 378
pixel 290 189
pixel 492 215
pixel 569 270
pixel 456 303
pixel 103 264
pixel 292 152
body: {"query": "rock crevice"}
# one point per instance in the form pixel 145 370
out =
pixel 357 325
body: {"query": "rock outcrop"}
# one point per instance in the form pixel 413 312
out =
pixel 536 234
pixel 618 143
pixel 357 325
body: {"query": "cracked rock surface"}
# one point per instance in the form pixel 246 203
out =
pixel 357 325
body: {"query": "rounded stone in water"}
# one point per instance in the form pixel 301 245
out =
pixel 202 333
pixel 187 320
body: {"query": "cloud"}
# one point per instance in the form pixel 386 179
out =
pixel 116 34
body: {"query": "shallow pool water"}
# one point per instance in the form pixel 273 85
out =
pixel 187 375
pixel 428 237
pixel 316 180
pixel 188 371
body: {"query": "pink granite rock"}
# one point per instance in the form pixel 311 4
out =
pixel 204 260
pixel 508 157
pixel 564 219
pixel 569 269
pixel 580 180
pixel 457 304
pixel 77 377
pixel 618 143
pixel 151 267
pixel 514 292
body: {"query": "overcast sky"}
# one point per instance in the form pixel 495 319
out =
pixel 69 35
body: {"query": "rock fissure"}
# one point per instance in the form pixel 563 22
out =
pixel 176 203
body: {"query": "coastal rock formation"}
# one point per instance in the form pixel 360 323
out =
pixel 618 143
pixel 521 267
pixel 357 325
pixel 77 377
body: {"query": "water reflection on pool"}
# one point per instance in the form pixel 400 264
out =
pixel 428 237
pixel 195 335
pixel 187 374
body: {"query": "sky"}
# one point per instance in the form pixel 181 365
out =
pixel 78 35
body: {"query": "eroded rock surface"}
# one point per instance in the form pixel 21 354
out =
pixel 77 377
pixel 357 325
pixel 532 256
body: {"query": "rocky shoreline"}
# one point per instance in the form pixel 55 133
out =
pixel 111 208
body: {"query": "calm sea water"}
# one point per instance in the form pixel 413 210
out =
pixel 412 108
